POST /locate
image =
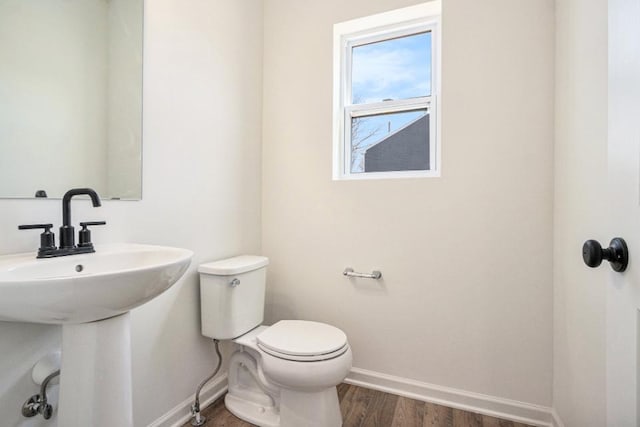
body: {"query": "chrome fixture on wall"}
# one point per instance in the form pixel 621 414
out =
pixel 375 274
pixel 38 403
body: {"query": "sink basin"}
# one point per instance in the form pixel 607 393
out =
pixel 89 287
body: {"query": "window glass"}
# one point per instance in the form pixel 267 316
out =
pixel 390 142
pixel 392 69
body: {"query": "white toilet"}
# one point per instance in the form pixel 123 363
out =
pixel 283 375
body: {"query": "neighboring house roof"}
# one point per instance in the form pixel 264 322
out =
pixel 405 149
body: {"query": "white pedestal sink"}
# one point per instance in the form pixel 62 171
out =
pixel 90 295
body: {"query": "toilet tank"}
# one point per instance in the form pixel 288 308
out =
pixel 232 295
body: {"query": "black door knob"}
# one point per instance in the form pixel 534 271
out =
pixel 617 254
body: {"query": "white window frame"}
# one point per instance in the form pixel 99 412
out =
pixel 371 29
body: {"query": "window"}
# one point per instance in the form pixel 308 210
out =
pixel 386 90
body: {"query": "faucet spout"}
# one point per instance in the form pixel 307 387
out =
pixel 66 202
pixel 67 237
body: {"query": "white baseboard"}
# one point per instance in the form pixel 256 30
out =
pixel 512 410
pixel 468 401
pixel 181 413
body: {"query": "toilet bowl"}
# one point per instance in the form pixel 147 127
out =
pixel 283 375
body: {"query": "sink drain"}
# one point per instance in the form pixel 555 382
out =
pixel 79 268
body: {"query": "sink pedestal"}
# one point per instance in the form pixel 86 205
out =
pixel 95 380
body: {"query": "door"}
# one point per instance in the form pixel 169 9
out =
pixel 623 206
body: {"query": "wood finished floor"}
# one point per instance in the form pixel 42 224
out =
pixel 362 407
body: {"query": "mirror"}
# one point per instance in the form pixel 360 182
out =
pixel 71 97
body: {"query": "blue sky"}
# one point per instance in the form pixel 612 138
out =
pixel 392 69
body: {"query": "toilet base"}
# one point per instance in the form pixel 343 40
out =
pixel 255 399
pixel 260 415
pixel 317 409
pixel 297 409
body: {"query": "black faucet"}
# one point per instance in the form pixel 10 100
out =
pixel 68 246
pixel 67 235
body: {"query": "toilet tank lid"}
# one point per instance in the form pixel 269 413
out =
pixel 235 265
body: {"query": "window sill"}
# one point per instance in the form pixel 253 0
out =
pixel 387 175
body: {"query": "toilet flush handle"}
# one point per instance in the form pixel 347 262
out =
pixel 234 282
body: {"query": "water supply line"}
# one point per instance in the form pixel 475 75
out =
pixel 196 418
pixel 38 404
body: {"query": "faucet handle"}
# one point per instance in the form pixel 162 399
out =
pixel 90 223
pixel 84 241
pixel 47 227
pixel 47 238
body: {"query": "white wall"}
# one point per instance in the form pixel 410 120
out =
pixel 466 299
pixel 580 191
pixel 202 124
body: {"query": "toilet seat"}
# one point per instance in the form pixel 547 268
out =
pixel 302 341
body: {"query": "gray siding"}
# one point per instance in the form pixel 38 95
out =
pixel 407 149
